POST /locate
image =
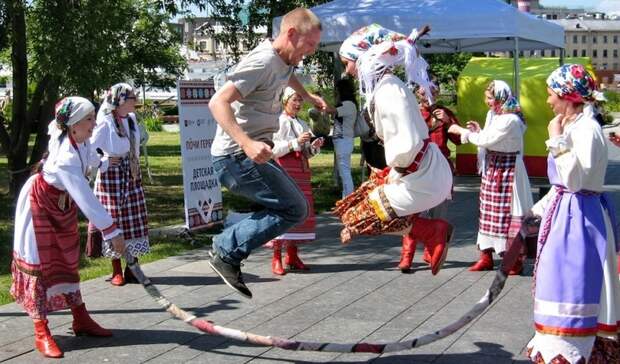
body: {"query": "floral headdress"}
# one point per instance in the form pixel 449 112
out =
pixel 505 102
pixel 376 50
pixel 572 82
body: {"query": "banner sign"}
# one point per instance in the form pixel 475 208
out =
pixel 202 194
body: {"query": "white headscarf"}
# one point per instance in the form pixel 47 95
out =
pixel 116 96
pixel 287 94
pixel 68 111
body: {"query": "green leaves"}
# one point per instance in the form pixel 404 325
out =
pixel 90 44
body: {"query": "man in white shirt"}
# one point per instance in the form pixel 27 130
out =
pixel 246 109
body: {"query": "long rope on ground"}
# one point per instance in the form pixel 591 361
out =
pixel 287 344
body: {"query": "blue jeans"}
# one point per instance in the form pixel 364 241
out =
pixel 266 184
pixel 343 147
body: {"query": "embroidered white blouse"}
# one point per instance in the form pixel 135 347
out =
pixel 285 139
pixel 65 169
pixel 402 129
pixel 106 137
pixel 504 133
pixel 580 155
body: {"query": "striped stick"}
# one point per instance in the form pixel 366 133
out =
pixel 287 344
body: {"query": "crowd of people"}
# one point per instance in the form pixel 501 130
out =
pixel 261 152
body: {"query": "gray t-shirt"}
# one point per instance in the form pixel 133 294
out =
pixel 260 78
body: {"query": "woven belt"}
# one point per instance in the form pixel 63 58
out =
pixel 416 161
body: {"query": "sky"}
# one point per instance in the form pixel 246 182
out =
pixel 609 6
pixel 599 5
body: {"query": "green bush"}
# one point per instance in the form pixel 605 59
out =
pixel 613 101
pixel 171 110
pixel 153 123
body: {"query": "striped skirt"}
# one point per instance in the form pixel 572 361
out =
pixel 296 165
pixel 360 215
pixel 51 283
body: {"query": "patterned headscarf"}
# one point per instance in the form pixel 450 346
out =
pixel 287 94
pixel 573 83
pixel 376 49
pixel 505 102
pixel 116 96
pixel 362 39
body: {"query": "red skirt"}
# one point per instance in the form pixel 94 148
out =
pixel 296 165
pixel 54 283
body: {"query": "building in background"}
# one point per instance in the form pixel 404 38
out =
pixel 586 34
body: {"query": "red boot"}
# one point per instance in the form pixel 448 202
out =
pixel 484 263
pixel 407 251
pixel 117 273
pixel 276 261
pixel 435 233
pixel 517 269
pixel 427 255
pixel 83 324
pixel 44 342
pixel 292 260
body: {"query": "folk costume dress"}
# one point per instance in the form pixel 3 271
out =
pixel 505 194
pixel 46 248
pixel 418 176
pixel 294 159
pixel 577 292
pixel 119 188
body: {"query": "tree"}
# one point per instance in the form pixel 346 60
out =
pixel 447 67
pixel 77 47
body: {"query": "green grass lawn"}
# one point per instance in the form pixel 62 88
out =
pixel 165 205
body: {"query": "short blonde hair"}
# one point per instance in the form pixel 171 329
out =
pixel 302 19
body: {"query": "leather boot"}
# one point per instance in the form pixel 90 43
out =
pixel 435 233
pixel 291 260
pixel 407 251
pixel 276 260
pixel 517 268
pixel 427 255
pixel 484 263
pixel 117 273
pixel 128 274
pixel 83 324
pixel 44 342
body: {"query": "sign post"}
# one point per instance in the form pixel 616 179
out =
pixel 202 194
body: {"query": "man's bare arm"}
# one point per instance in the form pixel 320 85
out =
pixel 317 101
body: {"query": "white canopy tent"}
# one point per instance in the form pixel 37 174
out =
pixel 456 25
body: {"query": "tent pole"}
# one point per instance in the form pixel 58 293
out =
pixel 515 58
pixel 337 73
pixel 562 54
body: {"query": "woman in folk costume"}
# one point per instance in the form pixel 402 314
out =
pixel 577 293
pixel 418 177
pixel 505 194
pixel 292 148
pixel 438 119
pixel 119 188
pixel 46 248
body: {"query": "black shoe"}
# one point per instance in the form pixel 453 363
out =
pixel 129 277
pixel 230 274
